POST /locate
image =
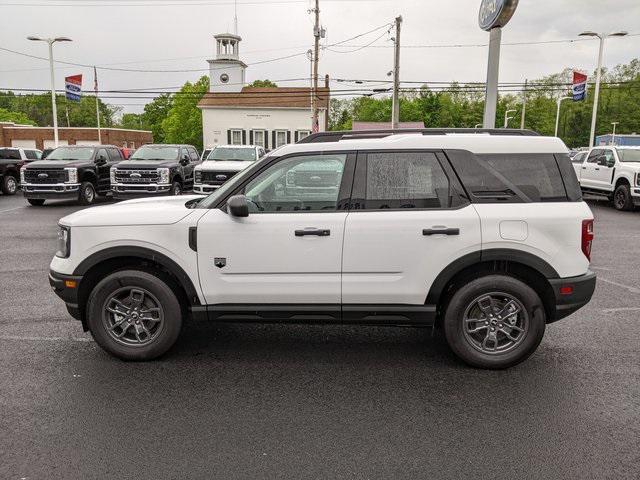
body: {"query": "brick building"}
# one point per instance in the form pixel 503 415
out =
pixel 26 136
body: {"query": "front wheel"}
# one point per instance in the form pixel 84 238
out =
pixel 494 322
pixel 9 185
pixel 87 193
pixel 176 188
pixel 134 314
pixel 622 198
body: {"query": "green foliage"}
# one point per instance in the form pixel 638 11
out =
pixel 461 107
pixel 15 117
pixel 263 83
pixel 183 123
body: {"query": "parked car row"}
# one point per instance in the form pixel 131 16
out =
pixel 83 173
pixel 611 172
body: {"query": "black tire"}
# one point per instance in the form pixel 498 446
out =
pixel 622 198
pixel 9 185
pixel 176 188
pixel 36 202
pixel 87 195
pixel 463 344
pixel 156 286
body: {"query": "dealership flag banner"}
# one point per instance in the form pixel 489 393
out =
pixel 579 88
pixel 73 87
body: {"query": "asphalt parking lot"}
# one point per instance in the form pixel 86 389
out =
pixel 276 401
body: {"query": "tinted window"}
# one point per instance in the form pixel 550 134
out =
pixel 405 180
pixel 194 155
pixel 535 175
pixel 115 154
pixel 571 184
pixel 593 156
pixel 102 155
pixel 31 154
pixel 307 183
pixel 9 154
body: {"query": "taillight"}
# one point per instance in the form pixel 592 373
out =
pixel 587 238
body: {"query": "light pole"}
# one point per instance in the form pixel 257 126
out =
pixel 602 37
pixel 613 135
pixel 50 42
pixel 507 117
pixel 559 102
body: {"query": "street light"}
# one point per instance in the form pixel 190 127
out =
pixel 613 135
pixel 602 37
pixel 559 102
pixel 51 41
pixel 507 117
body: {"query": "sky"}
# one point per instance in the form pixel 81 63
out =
pixel 178 35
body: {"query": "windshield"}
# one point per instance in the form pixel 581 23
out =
pixel 67 153
pixel 230 185
pixel 237 154
pixel 629 154
pixel 155 153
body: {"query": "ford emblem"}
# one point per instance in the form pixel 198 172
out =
pixel 43 175
pixel 221 178
pixel 136 175
pixel 496 13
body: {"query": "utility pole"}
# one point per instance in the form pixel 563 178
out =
pixel 524 105
pixel 395 107
pixel 315 123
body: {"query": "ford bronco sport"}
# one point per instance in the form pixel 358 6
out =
pixel 484 234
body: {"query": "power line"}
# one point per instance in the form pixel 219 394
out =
pixel 147 3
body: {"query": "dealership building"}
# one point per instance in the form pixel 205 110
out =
pixel 233 113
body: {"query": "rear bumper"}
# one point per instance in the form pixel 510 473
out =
pixel 581 288
pixel 66 287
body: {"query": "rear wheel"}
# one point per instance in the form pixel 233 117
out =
pixel 36 202
pixel 9 185
pixel 494 322
pixel 87 193
pixel 134 315
pixel 622 198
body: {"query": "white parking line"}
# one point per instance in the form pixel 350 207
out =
pixel 621 285
pixel 44 339
pixel 621 309
pixel 11 209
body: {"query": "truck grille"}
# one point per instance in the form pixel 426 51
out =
pixel 136 176
pixel 216 178
pixel 45 176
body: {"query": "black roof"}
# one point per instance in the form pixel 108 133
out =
pixel 355 134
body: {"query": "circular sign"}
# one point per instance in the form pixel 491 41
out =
pixel 496 13
pixel 224 78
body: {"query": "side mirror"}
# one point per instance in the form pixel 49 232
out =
pixel 101 159
pixel 238 206
pixel 184 161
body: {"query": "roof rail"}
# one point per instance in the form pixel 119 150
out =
pixel 364 134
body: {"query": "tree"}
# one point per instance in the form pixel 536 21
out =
pixel 15 117
pixel 155 113
pixel 263 83
pixel 184 120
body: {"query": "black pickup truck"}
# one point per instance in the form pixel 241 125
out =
pixel 72 173
pixel 155 170
pixel 10 164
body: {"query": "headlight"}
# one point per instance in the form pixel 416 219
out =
pixel 163 174
pixel 198 177
pixel 638 179
pixel 64 241
pixel 72 175
pixel 112 174
pixel 22 175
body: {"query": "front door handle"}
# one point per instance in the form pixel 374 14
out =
pixel 597 169
pixel 318 232
pixel 584 168
pixel 440 231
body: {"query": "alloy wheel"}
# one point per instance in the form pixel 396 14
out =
pixel 620 199
pixel 495 323
pixel 12 185
pixel 133 316
pixel 89 193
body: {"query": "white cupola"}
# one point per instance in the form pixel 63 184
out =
pixel 227 71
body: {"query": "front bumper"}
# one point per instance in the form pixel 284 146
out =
pixel 581 289
pixel 61 191
pixel 204 188
pixel 67 287
pixel 127 190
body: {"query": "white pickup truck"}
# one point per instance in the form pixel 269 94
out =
pixel 613 172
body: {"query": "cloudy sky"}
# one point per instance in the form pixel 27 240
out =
pixel 174 35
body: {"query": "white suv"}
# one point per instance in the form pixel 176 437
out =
pixel 613 172
pixel 222 163
pixel 485 235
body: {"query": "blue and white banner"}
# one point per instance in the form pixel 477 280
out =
pixel 73 87
pixel 579 88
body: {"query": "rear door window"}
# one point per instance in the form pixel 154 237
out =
pixel 9 154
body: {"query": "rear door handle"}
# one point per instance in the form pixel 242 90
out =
pixel 584 168
pixel 440 231
pixel 318 232
pixel 597 169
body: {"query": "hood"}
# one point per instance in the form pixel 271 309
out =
pixel 140 211
pixel 57 163
pixel 147 164
pixel 223 166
